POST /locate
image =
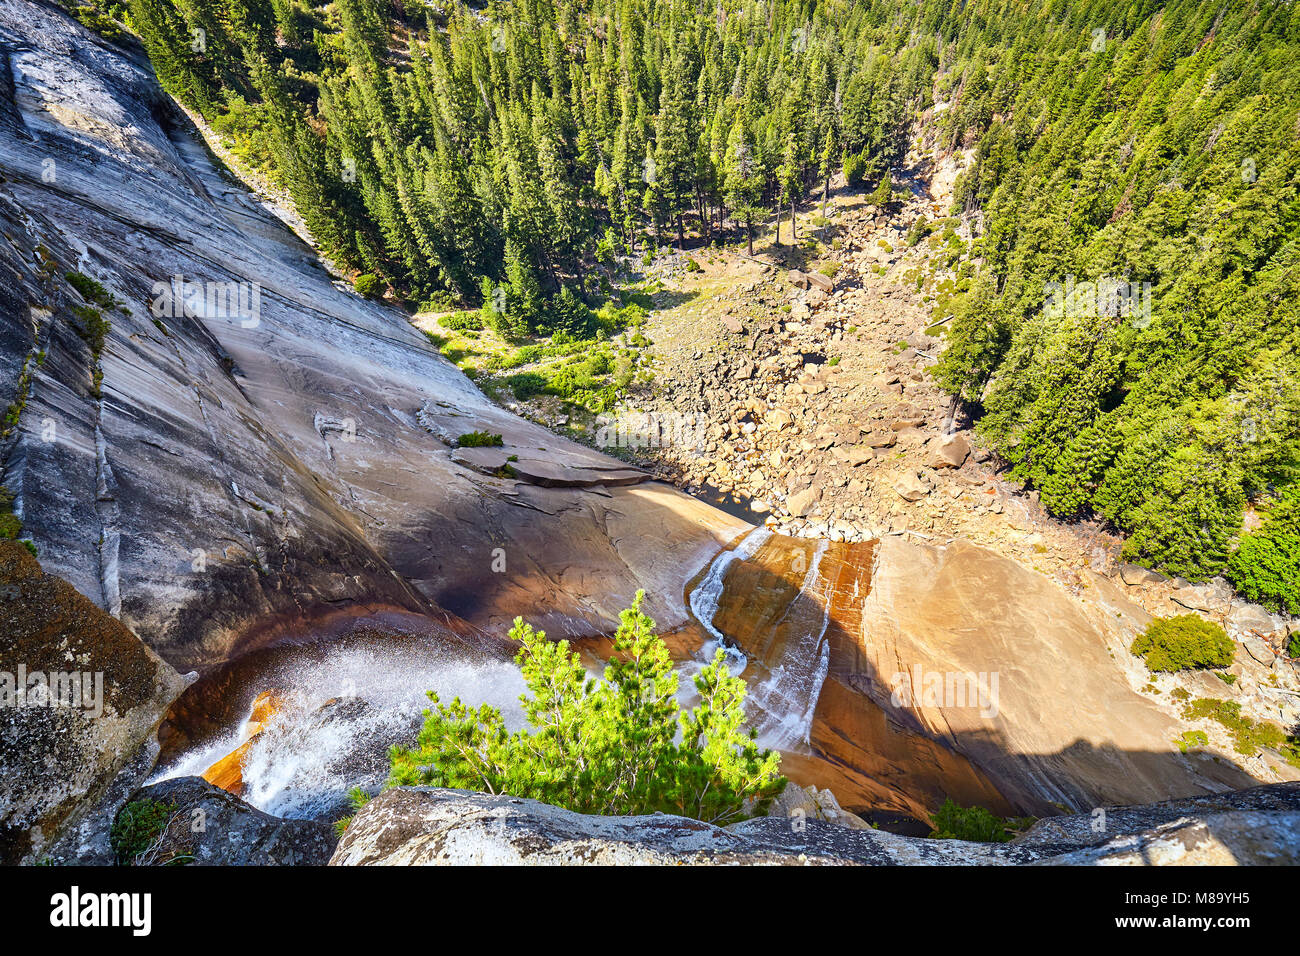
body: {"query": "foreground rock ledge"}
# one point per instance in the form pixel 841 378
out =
pixel 430 826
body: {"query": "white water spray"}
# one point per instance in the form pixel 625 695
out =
pixel 340 714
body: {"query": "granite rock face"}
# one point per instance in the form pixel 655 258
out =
pixel 219 470
pixel 219 477
pixel 79 694
pixel 429 826
pixel 1106 823
pixel 1250 838
pixel 999 636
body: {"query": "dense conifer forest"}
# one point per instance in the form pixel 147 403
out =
pixel 1129 336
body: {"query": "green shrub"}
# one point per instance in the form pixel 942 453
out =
pixel 567 314
pixel 952 822
pixel 438 302
pixel 462 322
pixel 920 229
pixel 526 385
pixel 137 827
pixel 1248 736
pixel 1266 565
pixel 1183 642
pixel 857 168
pixel 92 327
pixel 10 524
pixel 620 745
pixel 479 440
pixel 366 284
pixel 1293 646
pixel 89 289
pixel 357 798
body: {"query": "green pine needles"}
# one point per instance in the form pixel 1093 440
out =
pixel 1183 643
pixel 621 745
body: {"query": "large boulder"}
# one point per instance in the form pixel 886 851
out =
pixel 819 281
pixel 208 826
pixel 79 695
pixel 911 487
pixel 809 803
pixel 950 452
pixel 801 503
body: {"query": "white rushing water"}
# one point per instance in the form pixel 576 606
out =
pixel 786 698
pixel 790 693
pixel 310 754
pixel 707 594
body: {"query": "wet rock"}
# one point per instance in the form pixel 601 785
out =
pixel 228 772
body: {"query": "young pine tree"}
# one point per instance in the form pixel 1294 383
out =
pixel 620 745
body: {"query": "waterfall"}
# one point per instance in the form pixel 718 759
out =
pixel 705 597
pixel 790 693
pixel 340 709
pixel 787 689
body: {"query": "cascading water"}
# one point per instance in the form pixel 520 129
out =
pixel 705 598
pixel 339 709
pixel 788 697
pixel 774 625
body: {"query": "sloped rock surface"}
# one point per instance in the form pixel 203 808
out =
pixel 1052 733
pixel 1105 823
pixel 215 480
